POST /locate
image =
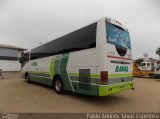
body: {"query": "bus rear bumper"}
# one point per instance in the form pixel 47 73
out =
pixel 105 90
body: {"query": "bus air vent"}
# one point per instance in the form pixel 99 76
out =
pixel 84 79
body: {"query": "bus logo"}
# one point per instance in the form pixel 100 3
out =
pixel 121 69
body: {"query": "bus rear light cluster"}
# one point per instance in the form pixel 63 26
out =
pixel 104 77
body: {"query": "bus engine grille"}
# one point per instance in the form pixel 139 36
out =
pixel 84 79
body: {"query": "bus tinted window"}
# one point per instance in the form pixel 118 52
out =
pixel 143 64
pixel 148 64
pixel 81 39
pixel 26 57
pixel 118 37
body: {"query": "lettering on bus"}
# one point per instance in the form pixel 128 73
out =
pixel 33 63
pixel 121 69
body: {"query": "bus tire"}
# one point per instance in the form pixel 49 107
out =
pixel 58 85
pixel 27 78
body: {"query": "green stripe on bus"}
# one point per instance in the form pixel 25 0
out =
pixel 38 72
pixel 92 75
pixel 56 65
pixel 63 71
pixel 52 68
pixel 77 74
pixel 119 75
pixel 95 75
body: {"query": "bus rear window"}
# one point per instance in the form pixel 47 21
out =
pixel 117 36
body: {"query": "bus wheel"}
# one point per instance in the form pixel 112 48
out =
pixel 58 85
pixel 28 78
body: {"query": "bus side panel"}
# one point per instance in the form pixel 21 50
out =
pixel 63 72
pixel 40 71
pixel 82 71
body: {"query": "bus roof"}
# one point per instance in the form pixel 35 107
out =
pixel 115 22
pixel 112 21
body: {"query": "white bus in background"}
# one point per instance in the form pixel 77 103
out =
pixel 94 60
pixel 147 66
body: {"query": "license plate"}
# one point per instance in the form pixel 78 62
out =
pixel 122 87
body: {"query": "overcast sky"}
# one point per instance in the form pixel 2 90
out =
pixel 27 23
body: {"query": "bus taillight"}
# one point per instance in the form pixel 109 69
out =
pixel 104 77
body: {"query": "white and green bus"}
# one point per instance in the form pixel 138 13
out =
pixel 94 60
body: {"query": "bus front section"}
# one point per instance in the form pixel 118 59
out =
pixel 118 74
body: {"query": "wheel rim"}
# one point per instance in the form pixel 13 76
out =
pixel 27 77
pixel 58 85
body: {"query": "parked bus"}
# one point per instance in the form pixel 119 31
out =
pixel 94 60
pixel 146 69
pixel 156 73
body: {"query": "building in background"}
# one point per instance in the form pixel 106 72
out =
pixel 9 57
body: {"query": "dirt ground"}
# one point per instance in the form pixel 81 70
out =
pixel 18 96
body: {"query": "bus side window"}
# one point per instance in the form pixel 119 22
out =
pixel 143 64
pixel 148 64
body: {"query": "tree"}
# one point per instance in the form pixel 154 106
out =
pixel 158 52
pixel 139 60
